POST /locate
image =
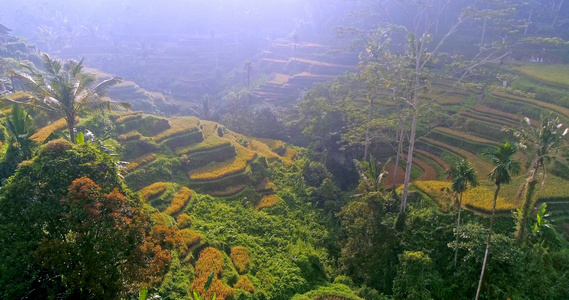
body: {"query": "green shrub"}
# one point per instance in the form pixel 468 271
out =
pixel 137 148
pixel 163 168
pixel 100 125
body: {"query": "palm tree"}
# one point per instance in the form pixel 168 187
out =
pixel 544 144
pixel 66 90
pixel 504 168
pixel 462 174
pixel 20 127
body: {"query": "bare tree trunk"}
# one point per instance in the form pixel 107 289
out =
pixel 398 154
pixel 483 33
pixel 71 127
pixel 367 138
pixel 527 190
pixel 409 157
pixel 557 13
pixel 488 242
pixel 415 105
pixel 529 22
pixel 457 229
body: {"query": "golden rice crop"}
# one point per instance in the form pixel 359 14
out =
pixel 554 187
pixel 210 260
pixel 482 197
pixel 179 201
pixel 267 201
pixel 245 284
pixel 153 190
pixel 130 136
pixel 263 149
pixel 217 287
pixel 41 135
pixel 141 161
pixel 274 145
pixel 440 191
pixel 184 220
pixel 129 116
pixel 178 125
pixel 188 238
pixel 289 156
pixel 211 142
pixel 240 257
pixel 232 166
pixel 265 185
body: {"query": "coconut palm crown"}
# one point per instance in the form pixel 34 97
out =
pixel 66 90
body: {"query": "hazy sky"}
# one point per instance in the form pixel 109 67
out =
pixel 170 16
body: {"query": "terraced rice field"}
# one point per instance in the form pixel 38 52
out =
pixel 141 161
pixel 230 167
pixel 465 136
pixel 204 155
pixel 178 126
pixel 562 111
pixel 479 126
pixel 481 166
pixel 478 199
pixel 555 74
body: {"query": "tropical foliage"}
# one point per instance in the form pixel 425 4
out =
pixel 66 90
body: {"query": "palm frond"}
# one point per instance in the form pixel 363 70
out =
pixel 462 173
pixel 105 86
pixel 16 98
pixel 77 68
pixel 52 66
pixel 106 104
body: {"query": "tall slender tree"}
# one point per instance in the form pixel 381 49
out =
pixel 420 54
pixel 248 67
pixel 462 175
pixel 504 167
pixel 66 90
pixel 543 144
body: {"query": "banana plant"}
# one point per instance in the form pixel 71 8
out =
pixel 541 219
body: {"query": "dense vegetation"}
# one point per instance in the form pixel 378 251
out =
pixel 432 165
